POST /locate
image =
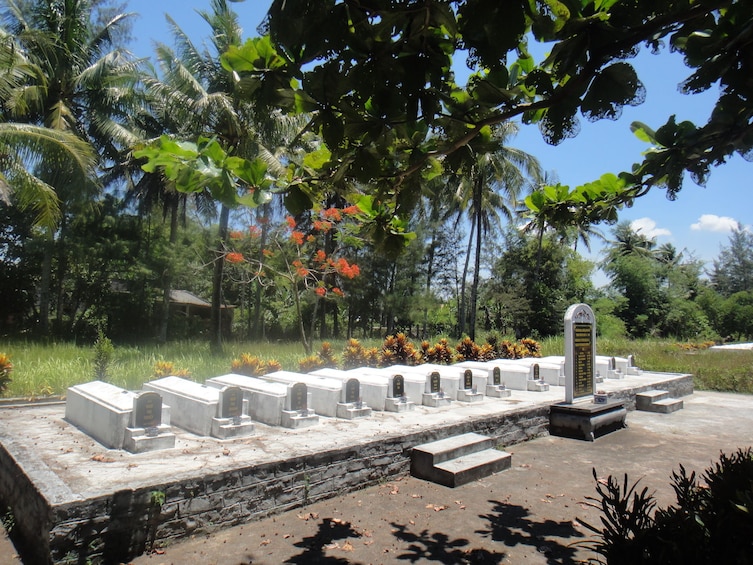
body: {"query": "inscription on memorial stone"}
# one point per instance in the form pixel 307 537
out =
pixel 398 386
pixel 467 379
pixel 583 367
pixel 231 398
pixel 496 376
pixel 435 383
pixel 352 390
pixel 299 397
pixel 147 410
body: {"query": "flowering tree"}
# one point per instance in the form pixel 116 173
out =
pixel 304 258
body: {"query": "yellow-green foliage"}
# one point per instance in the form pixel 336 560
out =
pixel 468 350
pixel 440 353
pixel 167 369
pixel 398 350
pixel 5 370
pixel 253 366
pixel 356 355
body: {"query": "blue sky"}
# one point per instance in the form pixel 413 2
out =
pixel 698 222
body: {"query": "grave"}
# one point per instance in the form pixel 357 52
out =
pixel 404 390
pixel 468 391
pixel 275 404
pixel 373 387
pixel 118 418
pixel 494 385
pixel 204 410
pixel 611 367
pixel 551 372
pixel 434 394
pixel 579 416
pixel 512 375
pixel 329 397
pixel 449 379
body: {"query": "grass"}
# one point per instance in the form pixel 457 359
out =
pixel 49 369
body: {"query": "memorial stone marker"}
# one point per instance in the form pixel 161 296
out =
pixel 398 386
pixel 580 351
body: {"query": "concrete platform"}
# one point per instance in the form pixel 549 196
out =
pixel 73 497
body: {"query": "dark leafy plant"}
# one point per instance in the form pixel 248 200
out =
pixel 103 352
pixel 5 369
pixel 398 350
pixel 712 522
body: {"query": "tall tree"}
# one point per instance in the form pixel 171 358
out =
pixel 732 271
pixel 78 74
pixel 491 176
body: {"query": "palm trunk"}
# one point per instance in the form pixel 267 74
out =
pixel 215 331
pixel 476 273
pixel 167 274
pixel 462 309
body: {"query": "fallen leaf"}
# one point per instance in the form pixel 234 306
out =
pixel 333 545
pixel 347 546
pixel 103 458
pixel 395 490
pixel 265 542
pixel 368 542
pixel 412 522
pixel 416 496
pixel 336 521
pixel 226 451
pixel 462 506
pixel 286 536
pixel 458 502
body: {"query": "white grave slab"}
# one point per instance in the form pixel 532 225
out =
pixel 202 409
pixel 275 404
pixel 450 378
pixel 118 418
pixel 373 388
pixel 404 391
pixel 329 397
pixel 438 390
pixel 513 376
pixel 552 373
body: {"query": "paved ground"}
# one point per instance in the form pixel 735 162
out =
pixel 528 514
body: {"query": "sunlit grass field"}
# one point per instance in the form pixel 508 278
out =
pixel 49 369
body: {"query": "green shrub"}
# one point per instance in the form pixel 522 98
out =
pixel 103 353
pixel 712 522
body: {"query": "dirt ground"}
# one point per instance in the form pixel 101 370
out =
pixel 531 513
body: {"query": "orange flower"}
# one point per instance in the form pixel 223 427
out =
pixel 322 225
pixel 234 257
pixel 297 237
pixel 320 290
pixel 352 210
pixel 302 272
pixel 333 214
pixel 254 231
pixel 235 234
pixel 320 256
pixel 337 291
pixel 290 221
pixel 311 239
pixel 267 252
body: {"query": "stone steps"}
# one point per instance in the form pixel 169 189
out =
pixel 657 401
pixel 458 460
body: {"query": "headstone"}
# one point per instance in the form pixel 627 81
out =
pixel 536 372
pixel 398 386
pixel 580 351
pixel 352 391
pixel 467 379
pixel 231 402
pixel 435 383
pixel 299 398
pixel 496 376
pixel 147 410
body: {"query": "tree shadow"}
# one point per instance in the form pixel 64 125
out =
pixel 440 548
pixel 329 531
pixel 512 525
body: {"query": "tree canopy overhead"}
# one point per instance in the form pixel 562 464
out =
pixel 377 77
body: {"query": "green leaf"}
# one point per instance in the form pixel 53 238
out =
pixel 297 201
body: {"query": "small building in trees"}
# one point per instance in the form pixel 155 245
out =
pixel 191 315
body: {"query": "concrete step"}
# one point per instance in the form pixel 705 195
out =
pixel 430 454
pixel 458 460
pixel 471 467
pixel 644 400
pixel 666 406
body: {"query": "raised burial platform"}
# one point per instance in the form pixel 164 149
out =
pixel 73 499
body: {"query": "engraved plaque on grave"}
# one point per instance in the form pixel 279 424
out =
pixel 496 376
pixel 536 372
pixel 398 386
pixel 352 391
pixel 299 397
pixel 467 379
pixel 583 368
pixel 435 382
pixel 613 363
pixel 231 399
pixel 147 410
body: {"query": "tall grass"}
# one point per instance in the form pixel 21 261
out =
pixel 47 369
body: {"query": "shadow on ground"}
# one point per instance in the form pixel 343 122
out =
pixel 511 525
pixel 331 531
pixel 440 548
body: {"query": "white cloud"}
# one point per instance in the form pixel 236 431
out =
pixel 712 222
pixel 647 227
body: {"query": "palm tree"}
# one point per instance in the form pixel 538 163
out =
pixel 490 178
pixel 71 81
pixel 193 95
